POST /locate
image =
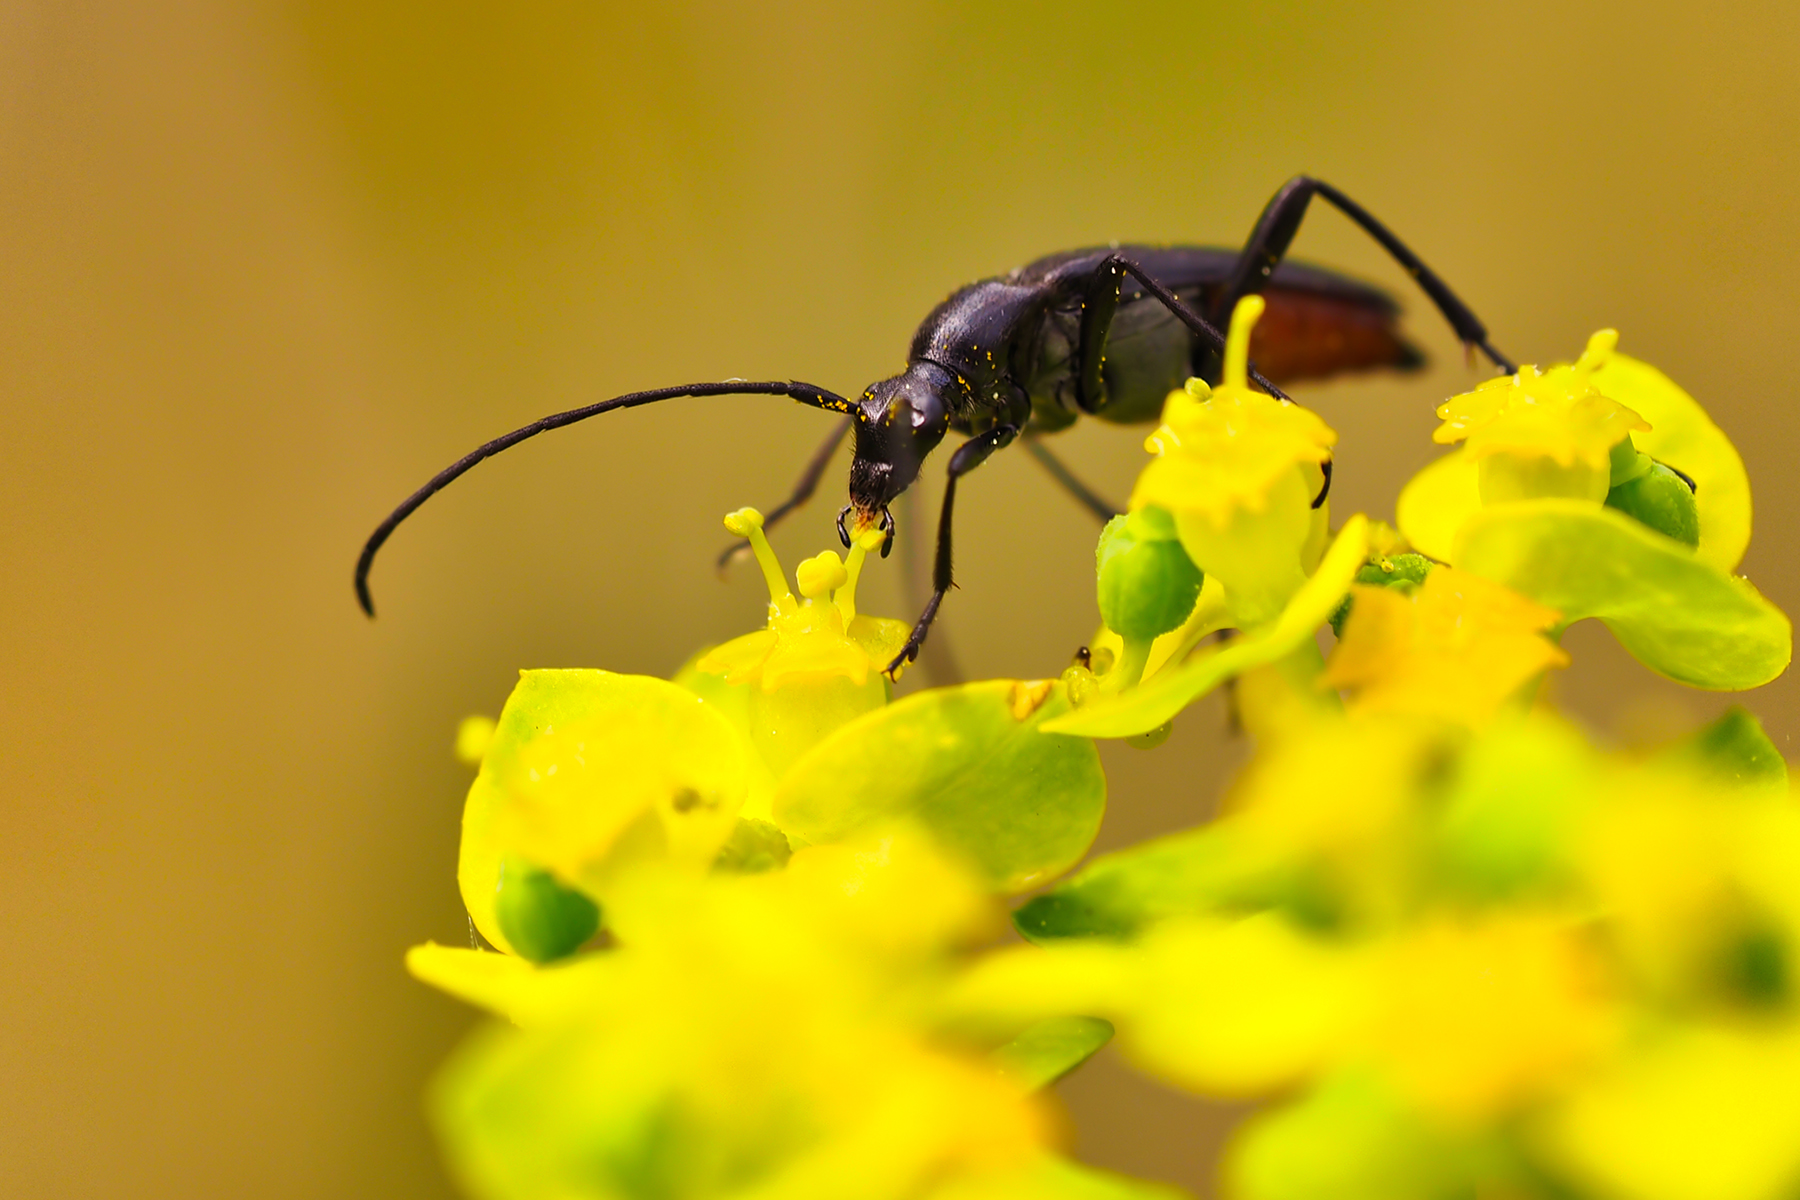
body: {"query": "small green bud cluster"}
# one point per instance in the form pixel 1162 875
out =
pixel 1402 571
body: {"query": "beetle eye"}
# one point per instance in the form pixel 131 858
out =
pixel 927 413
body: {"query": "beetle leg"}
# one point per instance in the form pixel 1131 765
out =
pixel 1280 221
pixel 1099 303
pixel 1183 313
pixel 937 657
pixel 809 482
pixel 1085 496
pixel 968 456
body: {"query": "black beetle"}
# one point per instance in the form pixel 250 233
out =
pixel 1108 331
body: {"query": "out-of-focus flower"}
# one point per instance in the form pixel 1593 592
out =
pixel 767 1035
pixel 1476 1017
pixel 1456 648
pixel 1489 960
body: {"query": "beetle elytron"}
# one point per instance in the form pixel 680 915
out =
pixel 1025 353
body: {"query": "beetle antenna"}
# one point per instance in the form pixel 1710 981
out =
pixel 805 393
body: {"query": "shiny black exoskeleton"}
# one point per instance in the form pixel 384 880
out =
pixel 1107 332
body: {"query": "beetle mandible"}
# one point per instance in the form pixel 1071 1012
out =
pixel 1107 332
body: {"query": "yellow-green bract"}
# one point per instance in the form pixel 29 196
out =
pixel 971 764
pixel 1676 613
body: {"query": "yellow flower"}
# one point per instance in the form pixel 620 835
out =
pixel 589 774
pixel 1224 1006
pixel 777 739
pixel 767 1034
pixel 1700 885
pixel 816 666
pixel 1477 1017
pixel 1708 1113
pixel 1457 648
pixel 1238 470
pixel 1542 433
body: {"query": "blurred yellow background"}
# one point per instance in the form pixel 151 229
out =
pixel 269 266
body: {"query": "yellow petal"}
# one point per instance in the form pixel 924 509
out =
pixel 1437 501
pixel 1708 1114
pixel 1456 649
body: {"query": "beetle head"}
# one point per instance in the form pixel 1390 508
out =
pixel 898 422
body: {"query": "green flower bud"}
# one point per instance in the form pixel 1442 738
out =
pixel 542 919
pixel 1403 571
pixel 1147 583
pixel 1660 499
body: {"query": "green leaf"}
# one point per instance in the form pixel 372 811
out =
pixel 1678 614
pixel 1117 895
pixel 1051 1048
pixel 972 766
pixel 1735 750
pixel 1159 698
pixel 1684 437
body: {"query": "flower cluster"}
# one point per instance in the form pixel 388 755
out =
pixel 739 928
pixel 772 1033
pixel 1594 489
pixel 1502 964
